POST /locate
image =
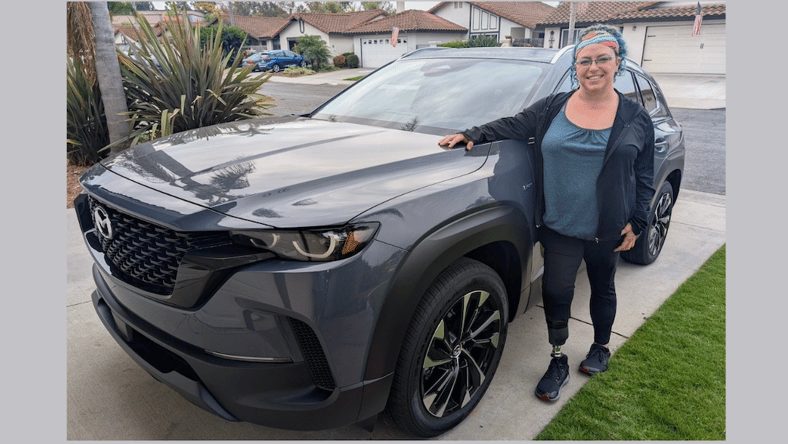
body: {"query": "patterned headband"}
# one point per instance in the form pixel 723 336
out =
pixel 602 37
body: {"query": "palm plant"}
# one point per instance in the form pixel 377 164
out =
pixel 175 84
pixel 313 48
pixel 91 48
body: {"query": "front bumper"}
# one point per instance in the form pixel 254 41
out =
pixel 277 343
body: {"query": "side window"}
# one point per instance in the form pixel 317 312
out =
pixel 626 86
pixel 649 99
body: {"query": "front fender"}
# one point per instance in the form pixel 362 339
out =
pixel 432 255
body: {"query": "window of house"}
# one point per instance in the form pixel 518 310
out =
pixel 565 36
pixel 458 5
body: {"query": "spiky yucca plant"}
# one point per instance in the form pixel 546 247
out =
pixel 86 126
pixel 173 84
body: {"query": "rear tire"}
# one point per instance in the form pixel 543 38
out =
pixel 650 242
pixel 276 68
pixel 451 350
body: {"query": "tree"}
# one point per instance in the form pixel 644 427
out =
pixel 314 49
pixel 260 9
pixel 329 7
pixel 91 45
pixel 384 6
pixel 144 6
pixel 120 8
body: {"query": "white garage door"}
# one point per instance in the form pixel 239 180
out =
pixel 673 49
pixel 378 51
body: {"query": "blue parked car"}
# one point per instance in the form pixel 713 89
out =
pixel 280 59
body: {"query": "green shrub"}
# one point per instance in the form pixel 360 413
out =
pixel 474 42
pixel 339 61
pixel 232 39
pixel 86 124
pixel 191 89
pixel 298 70
pixel 454 44
pixel 352 61
pixel 481 41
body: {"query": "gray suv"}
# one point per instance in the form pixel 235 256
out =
pixel 309 272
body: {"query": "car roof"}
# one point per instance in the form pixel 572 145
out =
pixel 544 55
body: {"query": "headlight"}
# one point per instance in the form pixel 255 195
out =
pixel 319 245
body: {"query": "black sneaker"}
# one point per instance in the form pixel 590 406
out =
pixel 549 388
pixel 596 360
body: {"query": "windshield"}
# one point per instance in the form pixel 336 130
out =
pixel 437 95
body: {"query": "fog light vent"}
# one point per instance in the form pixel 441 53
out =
pixel 313 353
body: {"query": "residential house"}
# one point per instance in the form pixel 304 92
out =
pixel 263 32
pixel 515 21
pixel 659 35
pixel 332 28
pixel 126 32
pixel 374 41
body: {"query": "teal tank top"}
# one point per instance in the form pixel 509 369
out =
pixel 573 159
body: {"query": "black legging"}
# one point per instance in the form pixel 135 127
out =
pixel 563 255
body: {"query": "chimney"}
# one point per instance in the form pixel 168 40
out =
pixel 400 7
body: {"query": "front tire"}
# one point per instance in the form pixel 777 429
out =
pixel 302 64
pixel 451 350
pixel 650 242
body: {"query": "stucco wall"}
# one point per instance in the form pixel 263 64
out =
pixel 460 16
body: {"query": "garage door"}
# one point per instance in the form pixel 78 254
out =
pixel 673 49
pixel 377 52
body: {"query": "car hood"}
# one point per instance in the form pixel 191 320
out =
pixel 285 172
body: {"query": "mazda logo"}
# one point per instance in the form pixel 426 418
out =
pixel 102 222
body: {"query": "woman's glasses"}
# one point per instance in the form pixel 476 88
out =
pixel 600 61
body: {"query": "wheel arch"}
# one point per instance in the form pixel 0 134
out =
pixel 482 236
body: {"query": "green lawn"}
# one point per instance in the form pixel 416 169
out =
pixel 667 382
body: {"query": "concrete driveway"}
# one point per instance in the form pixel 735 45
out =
pixel 109 397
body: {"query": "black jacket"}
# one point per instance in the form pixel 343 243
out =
pixel 625 186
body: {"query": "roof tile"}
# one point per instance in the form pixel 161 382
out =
pixel 592 12
pixel 410 20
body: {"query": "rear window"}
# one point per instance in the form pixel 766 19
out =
pixel 437 95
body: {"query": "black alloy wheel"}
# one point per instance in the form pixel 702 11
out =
pixel 302 64
pixel 451 351
pixel 276 68
pixel 650 242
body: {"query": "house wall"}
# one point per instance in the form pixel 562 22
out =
pixel 337 44
pixel 460 16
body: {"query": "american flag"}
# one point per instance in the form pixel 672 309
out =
pixel 394 35
pixel 698 21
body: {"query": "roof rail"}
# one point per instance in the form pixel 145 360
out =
pixel 561 52
pixel 429 48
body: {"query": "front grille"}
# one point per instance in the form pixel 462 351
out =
pixel 313 354
pixel 147 256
